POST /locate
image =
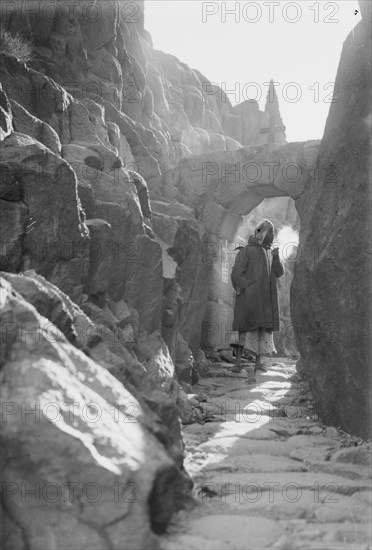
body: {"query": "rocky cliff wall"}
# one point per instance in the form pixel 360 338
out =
pixel 331 289
pixel 99 51
pixel 76 222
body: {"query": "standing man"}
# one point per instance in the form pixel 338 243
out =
pixel 256 312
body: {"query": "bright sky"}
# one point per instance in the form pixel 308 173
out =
pixel 298 44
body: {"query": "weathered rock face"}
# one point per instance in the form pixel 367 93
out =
pixel 190 251
pixel 156 109
pixel 331 288
pixel 90 464
pixel 74 213
pixel 44 220
pixel 105 334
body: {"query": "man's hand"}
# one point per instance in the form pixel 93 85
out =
pixel 276 252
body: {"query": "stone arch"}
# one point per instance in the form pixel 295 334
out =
pixel 217 322
pixel 222 186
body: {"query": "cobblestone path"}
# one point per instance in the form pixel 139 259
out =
pixel 268 473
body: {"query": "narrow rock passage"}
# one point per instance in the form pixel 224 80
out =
pixel 268 473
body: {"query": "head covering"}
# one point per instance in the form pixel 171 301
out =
pixel 261 229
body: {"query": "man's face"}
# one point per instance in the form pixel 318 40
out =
pixel 269 236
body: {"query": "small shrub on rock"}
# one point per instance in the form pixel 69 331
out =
pixel 15 44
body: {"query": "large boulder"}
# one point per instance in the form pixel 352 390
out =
pixel 88 482
pixel 331 287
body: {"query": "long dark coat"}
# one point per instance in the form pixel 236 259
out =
pixel 257 303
